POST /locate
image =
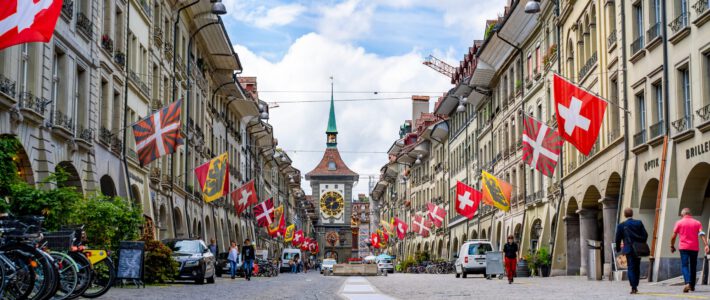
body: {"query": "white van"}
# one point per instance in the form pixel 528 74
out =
pixel 471 258
pixel 287 255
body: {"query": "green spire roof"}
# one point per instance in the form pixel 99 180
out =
pixel 332 128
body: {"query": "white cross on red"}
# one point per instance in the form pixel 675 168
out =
pixel 573 117
pixel 25 15
pixel 158 134
pixel 538 147
pixel 266 214
pixel 465 200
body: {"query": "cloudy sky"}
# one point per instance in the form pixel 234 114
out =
pixel 293 47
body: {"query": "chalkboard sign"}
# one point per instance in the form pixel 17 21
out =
pixel 130 260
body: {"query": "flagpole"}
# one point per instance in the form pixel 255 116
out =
pixel 125 111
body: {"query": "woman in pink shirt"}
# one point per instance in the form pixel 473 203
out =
pixel 689 230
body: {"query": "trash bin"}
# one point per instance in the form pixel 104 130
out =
pixel 594 259
pixel 494 264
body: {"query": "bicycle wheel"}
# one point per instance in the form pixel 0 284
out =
pixel 84 275
pixel 41 265
pixel 19 275
pixel 103 276
pixel 48 285
pixel 68 277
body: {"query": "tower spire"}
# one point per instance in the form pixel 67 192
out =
pixel 332 131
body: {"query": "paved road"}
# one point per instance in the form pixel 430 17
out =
pixel 404 286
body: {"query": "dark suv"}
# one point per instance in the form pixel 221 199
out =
pixel 196 261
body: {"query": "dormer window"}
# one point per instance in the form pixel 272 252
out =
pixel 331 166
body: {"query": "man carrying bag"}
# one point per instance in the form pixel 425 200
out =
pixel 634 235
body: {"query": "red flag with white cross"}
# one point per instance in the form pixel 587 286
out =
pixel 401 228
pixel 467 200
pixel 436 214
pixel 541 146
pixel 579 114
pixel 244 196
pixel 27 21
pixel 297 238
pixel 264 213
pixel 375 239
pixel 421 226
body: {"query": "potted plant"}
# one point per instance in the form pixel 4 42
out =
pixel 531 260
pixel 543 261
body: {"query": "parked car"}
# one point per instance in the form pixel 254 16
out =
pixel 196 261
pixel 471 258
pixel 327 265
pixel 286 255
pixel 223 266
pixel 384 262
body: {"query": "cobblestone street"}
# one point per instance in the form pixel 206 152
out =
pixel 405 286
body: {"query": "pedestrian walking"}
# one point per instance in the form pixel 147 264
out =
pixel 689 230
pixel 294 269
pixel 234 258
pixel 510 249
pixel 213 247
pixel 292 265
pixel 248 256
pixel 631 232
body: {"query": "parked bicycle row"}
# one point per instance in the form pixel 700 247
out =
pixel 41 265
pixel 428 267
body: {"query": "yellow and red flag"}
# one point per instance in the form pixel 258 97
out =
pixel 388 227
pixel 495 192
pixel 213 178
pixel 275 227
pixel 288 236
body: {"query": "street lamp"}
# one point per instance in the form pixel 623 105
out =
pixel 462 103
pixel 218 7
pixel 532 7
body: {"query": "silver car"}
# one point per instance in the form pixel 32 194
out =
pixel 386 265
pixel 327 265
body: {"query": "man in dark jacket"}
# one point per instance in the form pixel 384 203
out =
pixel 248 256
pixel 631 231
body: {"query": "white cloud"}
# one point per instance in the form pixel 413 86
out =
pixel 347 20
pixel 363 126
pixel 262 16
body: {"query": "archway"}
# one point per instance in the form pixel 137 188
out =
pixel 455 249
pixel 518 232
pixel 571 220
pixel 178 222
pixel 474 236
pixel 108 188
pixel 22 162
pixel 208 230
pixel 609 215
pixel 135 190
pixel 439 249
pixel 696 192
pixel 73 179
pixel 647 203
pixel 499 239
pixel 426 248
pixel 591 226
pixel 199 232
pixel 483 234
pixel 162 222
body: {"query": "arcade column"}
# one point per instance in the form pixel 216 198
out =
pixel 587 231
pixel 610 208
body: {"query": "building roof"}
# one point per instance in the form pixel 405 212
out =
pixel 332 128
pixel 341 169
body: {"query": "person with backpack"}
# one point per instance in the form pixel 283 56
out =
pixel 634 235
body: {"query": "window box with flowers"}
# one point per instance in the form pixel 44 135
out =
pixel 550 55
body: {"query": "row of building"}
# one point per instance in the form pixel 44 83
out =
pixel 649 59
pixel 112 62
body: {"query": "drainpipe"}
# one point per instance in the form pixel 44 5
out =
pixel 125 112
pixel 666 125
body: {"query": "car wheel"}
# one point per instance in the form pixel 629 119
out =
pixel 200 280
pixel 211 279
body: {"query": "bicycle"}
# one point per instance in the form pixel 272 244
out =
pixel 97 262
pixel 57 243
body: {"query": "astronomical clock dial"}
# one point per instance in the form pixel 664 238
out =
pixel 332 204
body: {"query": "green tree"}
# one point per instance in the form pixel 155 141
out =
pixel 107 220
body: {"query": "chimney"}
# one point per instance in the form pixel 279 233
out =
pixel 420 104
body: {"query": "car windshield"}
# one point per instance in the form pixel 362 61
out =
pixel 479 249
pixel 329 262
pixel 385 261
pixel 290 255
pixel 185 246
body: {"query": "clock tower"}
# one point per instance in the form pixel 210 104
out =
pixel 331 185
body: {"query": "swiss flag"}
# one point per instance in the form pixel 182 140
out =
pixel 26 21
pixel 436 214
pixel 467 200
pixel 401 228
pixel 421 226
pixel 264 213
pixel 375 238
pixel 541 146
pixel 305 245
pixel 244 196
pixel 297 238
pixel 579 114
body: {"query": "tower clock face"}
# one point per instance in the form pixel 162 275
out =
pixel 332 204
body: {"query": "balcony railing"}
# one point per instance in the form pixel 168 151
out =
pixel 679 23
pixel 637 45
pixel 704 113
pixel 68 9
pixel 168 51
pixel 31 102
pixel 611 39
pixel 654 31
pixel 107 43
pixel 587 66
pixel 116 144
pixel 84 25
pixel 137 80
pixel 180 65
pixel 7 86
pixel 105 136
pixel 120 59
pixel 158 36
pixel 640 138
pixel 683 124
pixel 701 6
pixel 657 130
pixel 86 134
pixel 63 120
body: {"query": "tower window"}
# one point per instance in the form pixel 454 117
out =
pixel 331 166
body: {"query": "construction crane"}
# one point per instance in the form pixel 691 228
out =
pixel 439 66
